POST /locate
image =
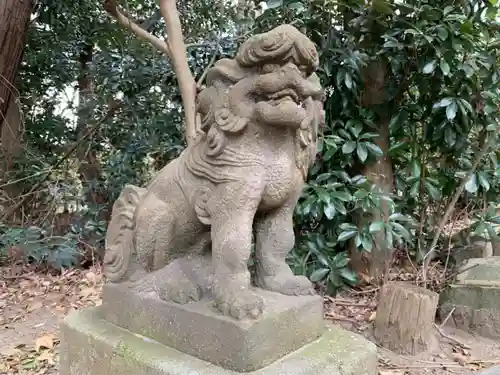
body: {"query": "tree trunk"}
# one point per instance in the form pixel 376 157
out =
pixel 90 168
pixel 376 263
pixel 14 22
pixel 11 136
pixel 405 317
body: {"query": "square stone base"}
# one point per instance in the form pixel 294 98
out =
pixel 92 346
pixel 473 301
pixel 198 329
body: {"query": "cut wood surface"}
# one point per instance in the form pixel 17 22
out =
pixel 405 317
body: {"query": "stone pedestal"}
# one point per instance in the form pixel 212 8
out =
pixel 473 300
pixel 138 335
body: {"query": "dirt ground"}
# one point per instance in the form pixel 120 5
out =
pixel 32 305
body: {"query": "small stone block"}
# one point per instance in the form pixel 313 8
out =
pixel 92 346
pixel 480 271
pixel 198 329
pixel 473 300
pixel 495 370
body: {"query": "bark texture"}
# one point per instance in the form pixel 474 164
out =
pixel 376 263
pixel 14 19
pixel 14 22
pixel 405 317
pixel 90 167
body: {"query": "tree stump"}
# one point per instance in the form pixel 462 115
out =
pixel 405 317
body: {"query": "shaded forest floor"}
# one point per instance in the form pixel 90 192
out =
pixel 32 305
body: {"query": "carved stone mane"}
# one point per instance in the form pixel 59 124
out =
pixel 231 82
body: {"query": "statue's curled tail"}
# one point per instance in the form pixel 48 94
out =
pixel 119 238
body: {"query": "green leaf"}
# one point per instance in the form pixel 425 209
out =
pixel 382 6
pixel 297 6
pixel 348 80
pixel 274 3
pixel 348 227
pixel 340 207
pixel 376 226
pixel 367 243
pixel 335 279
pixel 374 149
pixel 445 68
pixel 450 136
pixel 432 190
pixel 391 44
pixel 356 127
pixel 467 105
pixel 429 67
pixel 483 180
pixel 319 274
pixel 471 185
pixel 451 111
pixel 329 211
pixel 341 195
pixel 395 121
pixel 414 189
pixel 344 236
pixel 348 147
pixel 362 152
pixel 398 216
pixel 349 276
pixel 467 27
pixel 442 33
pixel 401 145
pixel 468 70
pixel 415 168
pixel 491 232
pixel 447 10
pixel 402 231
pixel 341 259
pixel 443 103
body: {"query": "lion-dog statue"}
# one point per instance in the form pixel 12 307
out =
pixel 191 230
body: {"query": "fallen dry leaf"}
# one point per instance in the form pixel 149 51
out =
pixel 372 316
pixel 87 292
pixel 34 306
pixel 46 341
pixel 47 356
pixel 459 358
pixel 10 352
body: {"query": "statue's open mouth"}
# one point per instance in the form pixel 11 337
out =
pixel 284 95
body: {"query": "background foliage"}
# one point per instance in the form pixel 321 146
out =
pixel 410 141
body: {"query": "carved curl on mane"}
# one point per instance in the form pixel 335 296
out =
pixel 219 103
pixel 282 44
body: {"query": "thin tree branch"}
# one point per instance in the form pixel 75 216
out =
pixel 112 8
pixel 177 47
pixel 205 72
pixel 113 107
pixel 451 204
pixel 151 21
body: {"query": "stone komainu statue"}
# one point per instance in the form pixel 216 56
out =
pixel 189 232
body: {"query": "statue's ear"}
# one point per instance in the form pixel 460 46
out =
pixel 228 121
pixel 226 71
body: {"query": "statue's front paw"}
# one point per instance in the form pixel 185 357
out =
pixel 286 283
pixel 181 291
pixel 241 305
